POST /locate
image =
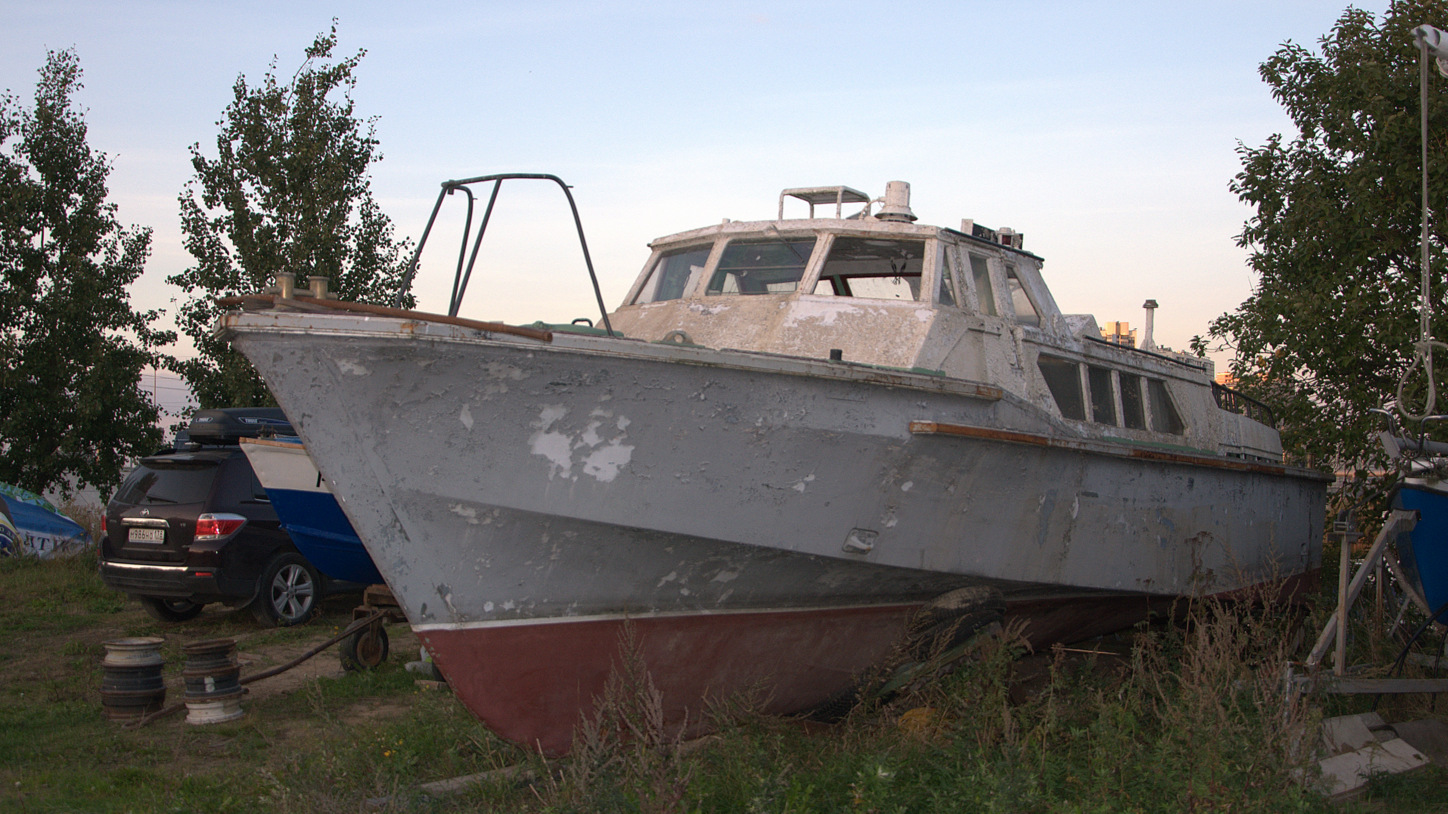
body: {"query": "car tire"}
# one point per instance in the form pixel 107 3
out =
pixel 171 610
pixel 968 601
pixel 287 592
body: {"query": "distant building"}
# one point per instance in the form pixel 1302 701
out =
pixel 1119 333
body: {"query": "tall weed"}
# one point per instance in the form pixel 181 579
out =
pixel 1191 716
pixel 625 755
pixel 1214 688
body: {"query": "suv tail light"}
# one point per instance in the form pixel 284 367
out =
pixel 218 526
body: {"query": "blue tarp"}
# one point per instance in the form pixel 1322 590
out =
pixel 40 529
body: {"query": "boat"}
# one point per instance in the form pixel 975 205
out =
pixel 1421 488
pixel 307 509
pixel 793 435
pixel 1424 550
pixel 32 525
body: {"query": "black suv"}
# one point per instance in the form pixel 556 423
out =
pixel 192 526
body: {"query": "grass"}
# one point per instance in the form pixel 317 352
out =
pixel 1164 718
pixel 1172 727
pixel 328 746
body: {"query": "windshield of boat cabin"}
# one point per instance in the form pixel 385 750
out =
pixel 761 267
pixel 674 274
pixel 1026 312
pixel 984 292
pixel 873 268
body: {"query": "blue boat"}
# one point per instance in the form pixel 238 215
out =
pixel 30 524
pixel 1423 552
pixel 308 510
pixel 1421 488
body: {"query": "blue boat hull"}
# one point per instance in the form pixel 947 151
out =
pixel 1424 550
pixel 324 535
pixel 308 510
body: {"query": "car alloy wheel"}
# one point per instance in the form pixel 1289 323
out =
pixel 288 591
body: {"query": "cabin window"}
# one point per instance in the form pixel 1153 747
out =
pixel 1164 416
pixel 947 279
pixel 873 269
pixel 673 274
pixel 1026 313
pixel 984 291
pixel 1063 378
pixel 1133 415
pixel 1103 401
pixel 763 267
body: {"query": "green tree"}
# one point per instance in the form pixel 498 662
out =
pixel 1329 328
pixel 72 348
pixel 288 190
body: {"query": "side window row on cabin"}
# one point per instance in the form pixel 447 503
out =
pixel 1144 401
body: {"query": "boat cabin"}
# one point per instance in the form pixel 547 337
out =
pixel 854 283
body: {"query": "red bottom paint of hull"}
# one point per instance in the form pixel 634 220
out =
pixel 532 683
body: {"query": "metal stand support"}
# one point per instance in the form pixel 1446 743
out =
pixel 1399 522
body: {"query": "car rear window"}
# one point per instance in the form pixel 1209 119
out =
pixel 188 482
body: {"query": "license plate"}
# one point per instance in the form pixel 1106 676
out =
pixel 148 535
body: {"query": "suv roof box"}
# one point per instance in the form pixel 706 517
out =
pixel 228 424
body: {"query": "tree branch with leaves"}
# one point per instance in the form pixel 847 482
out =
pixel 1330 325
pixel 72 347
pixel 289 189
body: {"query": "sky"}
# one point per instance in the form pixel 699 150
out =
pixel 1106 132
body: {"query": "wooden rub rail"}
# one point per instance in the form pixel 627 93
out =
pixel 396 313
pixel 1094 447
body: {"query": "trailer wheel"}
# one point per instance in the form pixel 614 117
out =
pixel 366 649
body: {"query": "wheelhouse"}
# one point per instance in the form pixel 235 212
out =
pixel 873 287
